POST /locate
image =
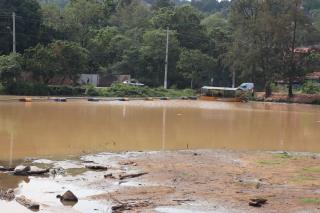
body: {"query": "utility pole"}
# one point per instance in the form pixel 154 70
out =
pixel 165 85
pixel 233 79
pixel 14 32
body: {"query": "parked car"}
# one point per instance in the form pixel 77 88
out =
pixel 247 87
pixel 133 83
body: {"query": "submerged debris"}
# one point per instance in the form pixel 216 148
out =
pixel 7 195
pixel 28 203
pixel 97 167
pixel 120 206
pixel 6 169
pixel 257 202
pixel 109 175
pixel 129 162
pixel 125 176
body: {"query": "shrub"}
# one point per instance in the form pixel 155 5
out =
pixel 26 88
pixel 310 88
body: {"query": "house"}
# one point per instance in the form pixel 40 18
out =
pixel 313 77
pixel 308 49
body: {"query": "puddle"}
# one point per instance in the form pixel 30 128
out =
pixel 11 182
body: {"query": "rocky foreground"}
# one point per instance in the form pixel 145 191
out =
pixel 177 181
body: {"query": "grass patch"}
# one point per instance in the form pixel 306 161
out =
pixel 310 200
pixel 270 162
pixel 302 179
pixel 312 169
pixel 283 155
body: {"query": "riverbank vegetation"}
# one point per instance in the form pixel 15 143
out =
pixel 260 41
pixel 115 90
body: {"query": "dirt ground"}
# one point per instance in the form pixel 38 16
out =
pixel 206 181
pixel 224 181
pixel 283 97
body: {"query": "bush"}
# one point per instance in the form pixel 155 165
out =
pixel 310 88
pixel 2 90
pixel 28 88
pixel 125 90
pixel 116 90
pixel 66 91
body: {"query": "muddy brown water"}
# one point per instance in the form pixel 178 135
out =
pixel 50 129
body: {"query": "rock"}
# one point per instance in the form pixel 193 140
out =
pixel 97 167
pixel 257 202
pixel 6 169
pixel 29 170
pixel 68 196
pixel 21 170
pixel 37 171
pixel 8 195
pixel 28 203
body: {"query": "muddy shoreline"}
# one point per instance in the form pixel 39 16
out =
pixel 172 181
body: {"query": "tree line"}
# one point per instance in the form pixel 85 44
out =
pixel 208 40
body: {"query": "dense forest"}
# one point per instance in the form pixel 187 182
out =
pixel 208 40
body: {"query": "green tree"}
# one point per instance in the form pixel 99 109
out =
pixel 196 67
pixel 42 62
pixel 162 4
pixel 72 59
pixel 220 38
pixel 28 20
pixel 295 22
pixel 131 15
pixel 186 21
pixel 256 50
pixel 81 17
pixel 107 48
pixel 10 68
pixel 153 52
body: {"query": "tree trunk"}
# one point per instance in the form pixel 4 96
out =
pixel 268 90
pixel 290 89
pixel 293 46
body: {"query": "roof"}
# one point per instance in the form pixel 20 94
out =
pixel 313 75
pixel 220 88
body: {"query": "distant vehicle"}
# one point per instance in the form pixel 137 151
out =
pixel 247 87
pixel 133 83
pixel 226 93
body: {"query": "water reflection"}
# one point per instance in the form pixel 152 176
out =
pixel 8 181
pixel 59 129
pixel 164 113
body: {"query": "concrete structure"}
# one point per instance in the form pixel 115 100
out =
pixel 89 79
pixel 102 80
